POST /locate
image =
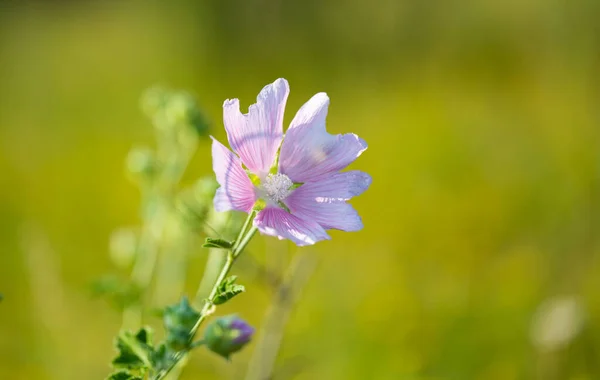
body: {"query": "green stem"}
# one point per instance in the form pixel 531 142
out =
pixel 247 223
pixel 238 247
pixel 145 263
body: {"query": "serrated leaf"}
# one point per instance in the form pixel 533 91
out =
pixel 227 290
pixel 162 358
pixel 217 243
pixel 135 350
pixel 123 375
pixel 178 320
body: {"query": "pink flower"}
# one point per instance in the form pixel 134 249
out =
pixel 303 189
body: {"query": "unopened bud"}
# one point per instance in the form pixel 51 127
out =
pixel 123 244
pixel 182 109
pixel 141 162
pixel 227 335
pixel 153 101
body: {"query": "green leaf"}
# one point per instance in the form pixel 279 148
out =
pixel 135 350
pixel 227 290
pixel 179 320
pixel 162 358
pixel 217 243
pixel 123 375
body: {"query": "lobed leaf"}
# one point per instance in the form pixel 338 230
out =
pixel 123 375
pixel 227 290
pixel 179 319
pixel 135 350
pixel 217 243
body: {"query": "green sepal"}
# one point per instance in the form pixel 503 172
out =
pixel 253 178
pixel 284 206
pixel 123 375
pixel 259 205
pixel 227 290
pixel 217 243
pixel 179 319
pixel 135 351
pixel 227 335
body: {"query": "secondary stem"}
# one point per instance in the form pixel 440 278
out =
pixel 231 257
pixel 238 247
pixel 145 263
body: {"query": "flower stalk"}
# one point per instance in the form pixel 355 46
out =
pixel 244 237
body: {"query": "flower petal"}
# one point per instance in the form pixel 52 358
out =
pixel 308 152
pixel 236 191
pixel 256 136
pixel 278 222
pixel 325 201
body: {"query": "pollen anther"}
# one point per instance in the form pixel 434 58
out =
pixel 277 187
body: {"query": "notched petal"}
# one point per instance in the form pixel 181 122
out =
pixel 256 136
pixel 309 152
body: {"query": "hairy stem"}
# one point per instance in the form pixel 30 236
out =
pixel 240 244
pixel 145 263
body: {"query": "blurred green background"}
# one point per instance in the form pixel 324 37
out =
pixel 480 253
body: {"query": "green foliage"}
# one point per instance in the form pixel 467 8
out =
pixel 123 375
pixel 227 290
pixel 141 163
pixel 162 357
pixel 217 243
pixel 138 357
pixel 168 108
pixel 179 319
pixel 469 235
pixel 135 350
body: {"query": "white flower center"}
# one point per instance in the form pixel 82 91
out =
pixel 277 187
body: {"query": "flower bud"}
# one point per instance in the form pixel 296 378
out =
pixel 141 162
pixel 123 244
pixel 227 335
pixel 153 101
pixel 181 109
